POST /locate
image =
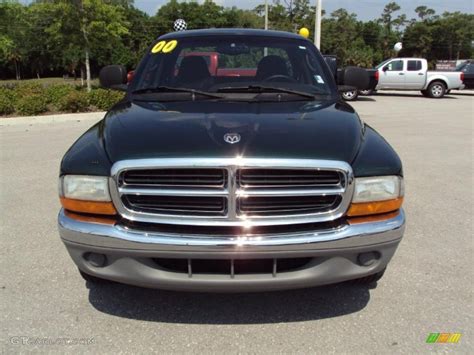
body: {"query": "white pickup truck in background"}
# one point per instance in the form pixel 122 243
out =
pixel 413 74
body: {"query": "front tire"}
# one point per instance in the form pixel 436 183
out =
pixel 436 90
pixel 93 279
pixel 350 95
pixel 366 92
pixel 369 279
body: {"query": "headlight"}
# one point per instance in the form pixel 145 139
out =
pixel 84 187
pixel 376 195
pixel 379 188
pixel 87 194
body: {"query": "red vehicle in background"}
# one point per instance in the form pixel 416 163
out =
pixel 212 60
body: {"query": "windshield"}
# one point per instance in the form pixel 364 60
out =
pixel 234 64
pixel 383 63
pixel 461 66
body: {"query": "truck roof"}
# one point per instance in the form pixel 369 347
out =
pixel 231 32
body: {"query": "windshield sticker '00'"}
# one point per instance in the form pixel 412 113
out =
pixel 164 47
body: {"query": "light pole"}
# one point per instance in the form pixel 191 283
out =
pixel 266 14
pixel 265 50
pixel 317 24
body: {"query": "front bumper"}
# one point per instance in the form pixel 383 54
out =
pixel 130 254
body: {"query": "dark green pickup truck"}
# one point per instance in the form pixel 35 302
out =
pixel 260 180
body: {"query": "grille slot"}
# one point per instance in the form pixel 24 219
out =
pixel 288 178
pixel 177 205
pixel 175 177
pixel 231 267
pixel 267 206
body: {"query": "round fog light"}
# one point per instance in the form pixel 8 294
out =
pixel 95 259
pixel 367 259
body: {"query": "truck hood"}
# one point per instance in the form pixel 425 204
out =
pixel 327 130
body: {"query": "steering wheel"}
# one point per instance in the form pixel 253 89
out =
pixel 280 77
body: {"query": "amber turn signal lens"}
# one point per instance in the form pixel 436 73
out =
pixel 93 207
pixel 373 218
pixel 370 208
pixel 91 219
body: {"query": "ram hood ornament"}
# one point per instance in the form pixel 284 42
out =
pixel 232 138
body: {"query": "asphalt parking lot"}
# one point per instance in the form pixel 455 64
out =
pixel 427 287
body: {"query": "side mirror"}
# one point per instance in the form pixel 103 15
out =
pixel 385 68
pixel 331 61
pixel 113 77
pixel 355 77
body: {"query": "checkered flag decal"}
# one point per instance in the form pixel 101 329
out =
pixel 180 25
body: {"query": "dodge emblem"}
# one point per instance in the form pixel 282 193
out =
pixel 232 138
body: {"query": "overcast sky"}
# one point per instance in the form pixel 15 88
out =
pixel 365 9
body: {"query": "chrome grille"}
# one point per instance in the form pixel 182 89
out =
pixel 231 192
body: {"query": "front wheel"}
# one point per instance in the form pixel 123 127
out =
pixel 350 95
pixel 93 279
pixel 369 279
pixel 425 93
pixel 436 90
pixel 366 92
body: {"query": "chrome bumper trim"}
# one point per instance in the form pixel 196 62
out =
pixel 121 238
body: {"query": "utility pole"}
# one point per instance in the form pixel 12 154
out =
pixel 266 14
pixel 265 50
pixel 317 24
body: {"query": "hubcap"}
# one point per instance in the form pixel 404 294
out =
pixel 349 94
pixel 437 90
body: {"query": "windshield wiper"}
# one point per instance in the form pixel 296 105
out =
pixel 264 89
pixel 172 89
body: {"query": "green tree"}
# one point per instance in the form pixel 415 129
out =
pixel 338 32
pixel 424 13
pixel 278 18
pixel 298 12
pixel 13 26
pixel 417 40
pixel 67 33
pixel 392 25
pixel 6 48
pixel 418 35
pixel 140 34
pixel 239 18
pixel 387 17
pixel 100 24
pixel 453 34
pixel 372 34
pixel 49 36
